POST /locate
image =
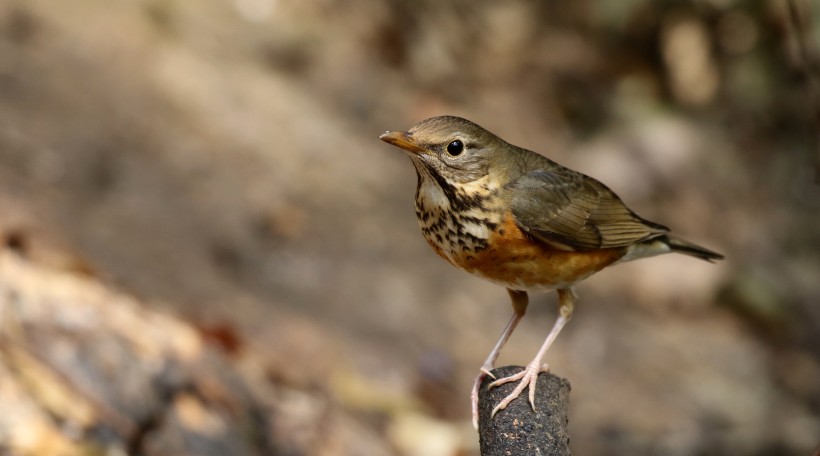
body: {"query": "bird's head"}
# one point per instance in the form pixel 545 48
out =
pixel 451 147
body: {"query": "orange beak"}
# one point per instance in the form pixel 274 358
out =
pixel 402 140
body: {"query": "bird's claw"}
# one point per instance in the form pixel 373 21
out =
pixel 484 371
pixel 526 378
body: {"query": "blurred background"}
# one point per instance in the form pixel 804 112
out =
pixel 207 250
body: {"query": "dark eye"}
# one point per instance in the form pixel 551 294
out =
pixel 455 148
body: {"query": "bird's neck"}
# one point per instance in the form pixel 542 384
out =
pixel 456 217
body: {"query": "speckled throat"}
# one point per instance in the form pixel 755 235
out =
pixel 456 219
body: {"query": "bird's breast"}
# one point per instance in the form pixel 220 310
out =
pixel 470 227
pixel 457 220
pixel 517 261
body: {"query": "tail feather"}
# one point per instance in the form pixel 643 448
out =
pixel 687 248
pixel 667 244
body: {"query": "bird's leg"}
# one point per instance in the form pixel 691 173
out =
pixel 528 377
pixel 519 303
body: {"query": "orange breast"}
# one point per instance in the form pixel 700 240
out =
pixel 515 260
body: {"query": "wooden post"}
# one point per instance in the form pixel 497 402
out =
pixel 517 430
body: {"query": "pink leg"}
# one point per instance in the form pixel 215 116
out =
pixel 527 377
pixel 519 303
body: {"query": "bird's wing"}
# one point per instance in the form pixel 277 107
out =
pixel 572 211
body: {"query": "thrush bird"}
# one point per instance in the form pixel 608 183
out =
pixel 518 219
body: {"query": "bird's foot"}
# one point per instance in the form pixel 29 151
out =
pixel 526 378
pixel 483 372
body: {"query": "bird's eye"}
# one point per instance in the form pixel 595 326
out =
pixel 455 148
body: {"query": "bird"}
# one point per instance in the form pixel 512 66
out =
pixel 518 219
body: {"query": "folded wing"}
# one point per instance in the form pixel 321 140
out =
pixel 570 211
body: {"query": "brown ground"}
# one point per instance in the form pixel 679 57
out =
pixel 216 164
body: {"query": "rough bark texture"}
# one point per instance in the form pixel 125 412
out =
pixel 517 430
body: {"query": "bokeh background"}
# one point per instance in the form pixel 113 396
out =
pixel 208 251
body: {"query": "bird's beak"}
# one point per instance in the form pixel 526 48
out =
pixel 402 140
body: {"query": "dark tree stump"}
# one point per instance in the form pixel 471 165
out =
pixel 517 430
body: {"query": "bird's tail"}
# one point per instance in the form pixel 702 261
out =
pixel 687 248
pixel 665 243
